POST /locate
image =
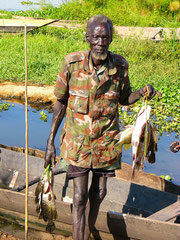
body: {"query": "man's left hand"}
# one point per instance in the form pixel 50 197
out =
pixel 151 92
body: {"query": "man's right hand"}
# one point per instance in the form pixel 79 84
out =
pixel 50 155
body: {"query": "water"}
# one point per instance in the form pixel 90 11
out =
pixel 15 5
pixel 167 162
pixel 12 128
pixel 12 133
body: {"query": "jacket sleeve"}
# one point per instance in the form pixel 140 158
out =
pixel 125 90
pixel 61 90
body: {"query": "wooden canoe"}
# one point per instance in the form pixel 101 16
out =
pixel 140 177
pixel 124 214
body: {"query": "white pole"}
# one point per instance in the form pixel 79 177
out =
pixel 26 135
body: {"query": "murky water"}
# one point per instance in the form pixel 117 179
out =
pixel 16 5
pixel 12 133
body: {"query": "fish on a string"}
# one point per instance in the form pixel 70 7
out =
pixel 144 140
pixel 45 199
pixel 144 137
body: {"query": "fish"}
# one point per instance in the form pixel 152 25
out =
pixel 45 199
pixel 143 140
pixel 124 137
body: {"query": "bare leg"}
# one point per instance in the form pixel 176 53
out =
pixel 80 198
pixel 97 193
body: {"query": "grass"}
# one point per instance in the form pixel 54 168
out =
pixel 164 13
pixel 149 62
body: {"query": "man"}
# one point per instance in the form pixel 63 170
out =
pixel 89 88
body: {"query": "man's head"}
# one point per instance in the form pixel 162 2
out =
pixel 99 36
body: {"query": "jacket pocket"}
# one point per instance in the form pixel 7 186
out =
pixel 111 102
pixel 79 101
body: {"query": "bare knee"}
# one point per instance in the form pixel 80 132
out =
pixel 97 194
pixel 80 199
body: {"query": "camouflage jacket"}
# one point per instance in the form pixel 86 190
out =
pixel 89 135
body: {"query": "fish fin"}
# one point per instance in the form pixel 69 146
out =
pixel 132 175
pixel 155 147
pixel 38 209
pixel 152 158
pixel 138 165
pixel 133 170
pixel 50 227
pixel 38 189
pixel 127 146
pixel 41 215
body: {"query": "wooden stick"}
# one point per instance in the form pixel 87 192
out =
pixel 26 135
pixel 145 135
pixel 34 181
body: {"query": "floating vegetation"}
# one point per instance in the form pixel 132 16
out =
pixel 44 116
pixel 4 106
pixel 167 177
pixel 165 112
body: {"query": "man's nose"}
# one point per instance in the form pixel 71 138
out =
pixel 101 41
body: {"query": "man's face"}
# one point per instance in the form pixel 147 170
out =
pixel 99 39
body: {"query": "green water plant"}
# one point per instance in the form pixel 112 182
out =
pixel 167 177
pixel 43 116
pixel 4 106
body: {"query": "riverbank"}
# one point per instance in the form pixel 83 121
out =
pixel 41 94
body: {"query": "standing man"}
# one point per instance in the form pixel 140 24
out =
pixel 89 88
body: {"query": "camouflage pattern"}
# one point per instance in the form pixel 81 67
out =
pixel 90 134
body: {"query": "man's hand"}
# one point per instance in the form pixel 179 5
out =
pixel 175 146
pixel 150 92
pixel 50 155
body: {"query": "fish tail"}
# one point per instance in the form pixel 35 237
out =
pixel 152 158
pixel 133 170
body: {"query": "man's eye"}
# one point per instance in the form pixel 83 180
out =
pixel 104 38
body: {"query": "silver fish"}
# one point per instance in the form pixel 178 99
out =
pixel 144 140
pixel 45 199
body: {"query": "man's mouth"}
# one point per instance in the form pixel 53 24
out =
pixel 100 50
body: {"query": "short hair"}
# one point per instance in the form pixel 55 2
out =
pixel 100 19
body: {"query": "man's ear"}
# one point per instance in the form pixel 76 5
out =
pixel 111 39
pixel 87 38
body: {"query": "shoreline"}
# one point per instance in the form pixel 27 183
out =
pixel 37 94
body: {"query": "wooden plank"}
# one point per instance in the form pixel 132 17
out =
pixel 141 228
pixel 167 213
pixel 39 225
pixel 147 179
pixel 34 222
pixel 22 22
pixel 14 201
